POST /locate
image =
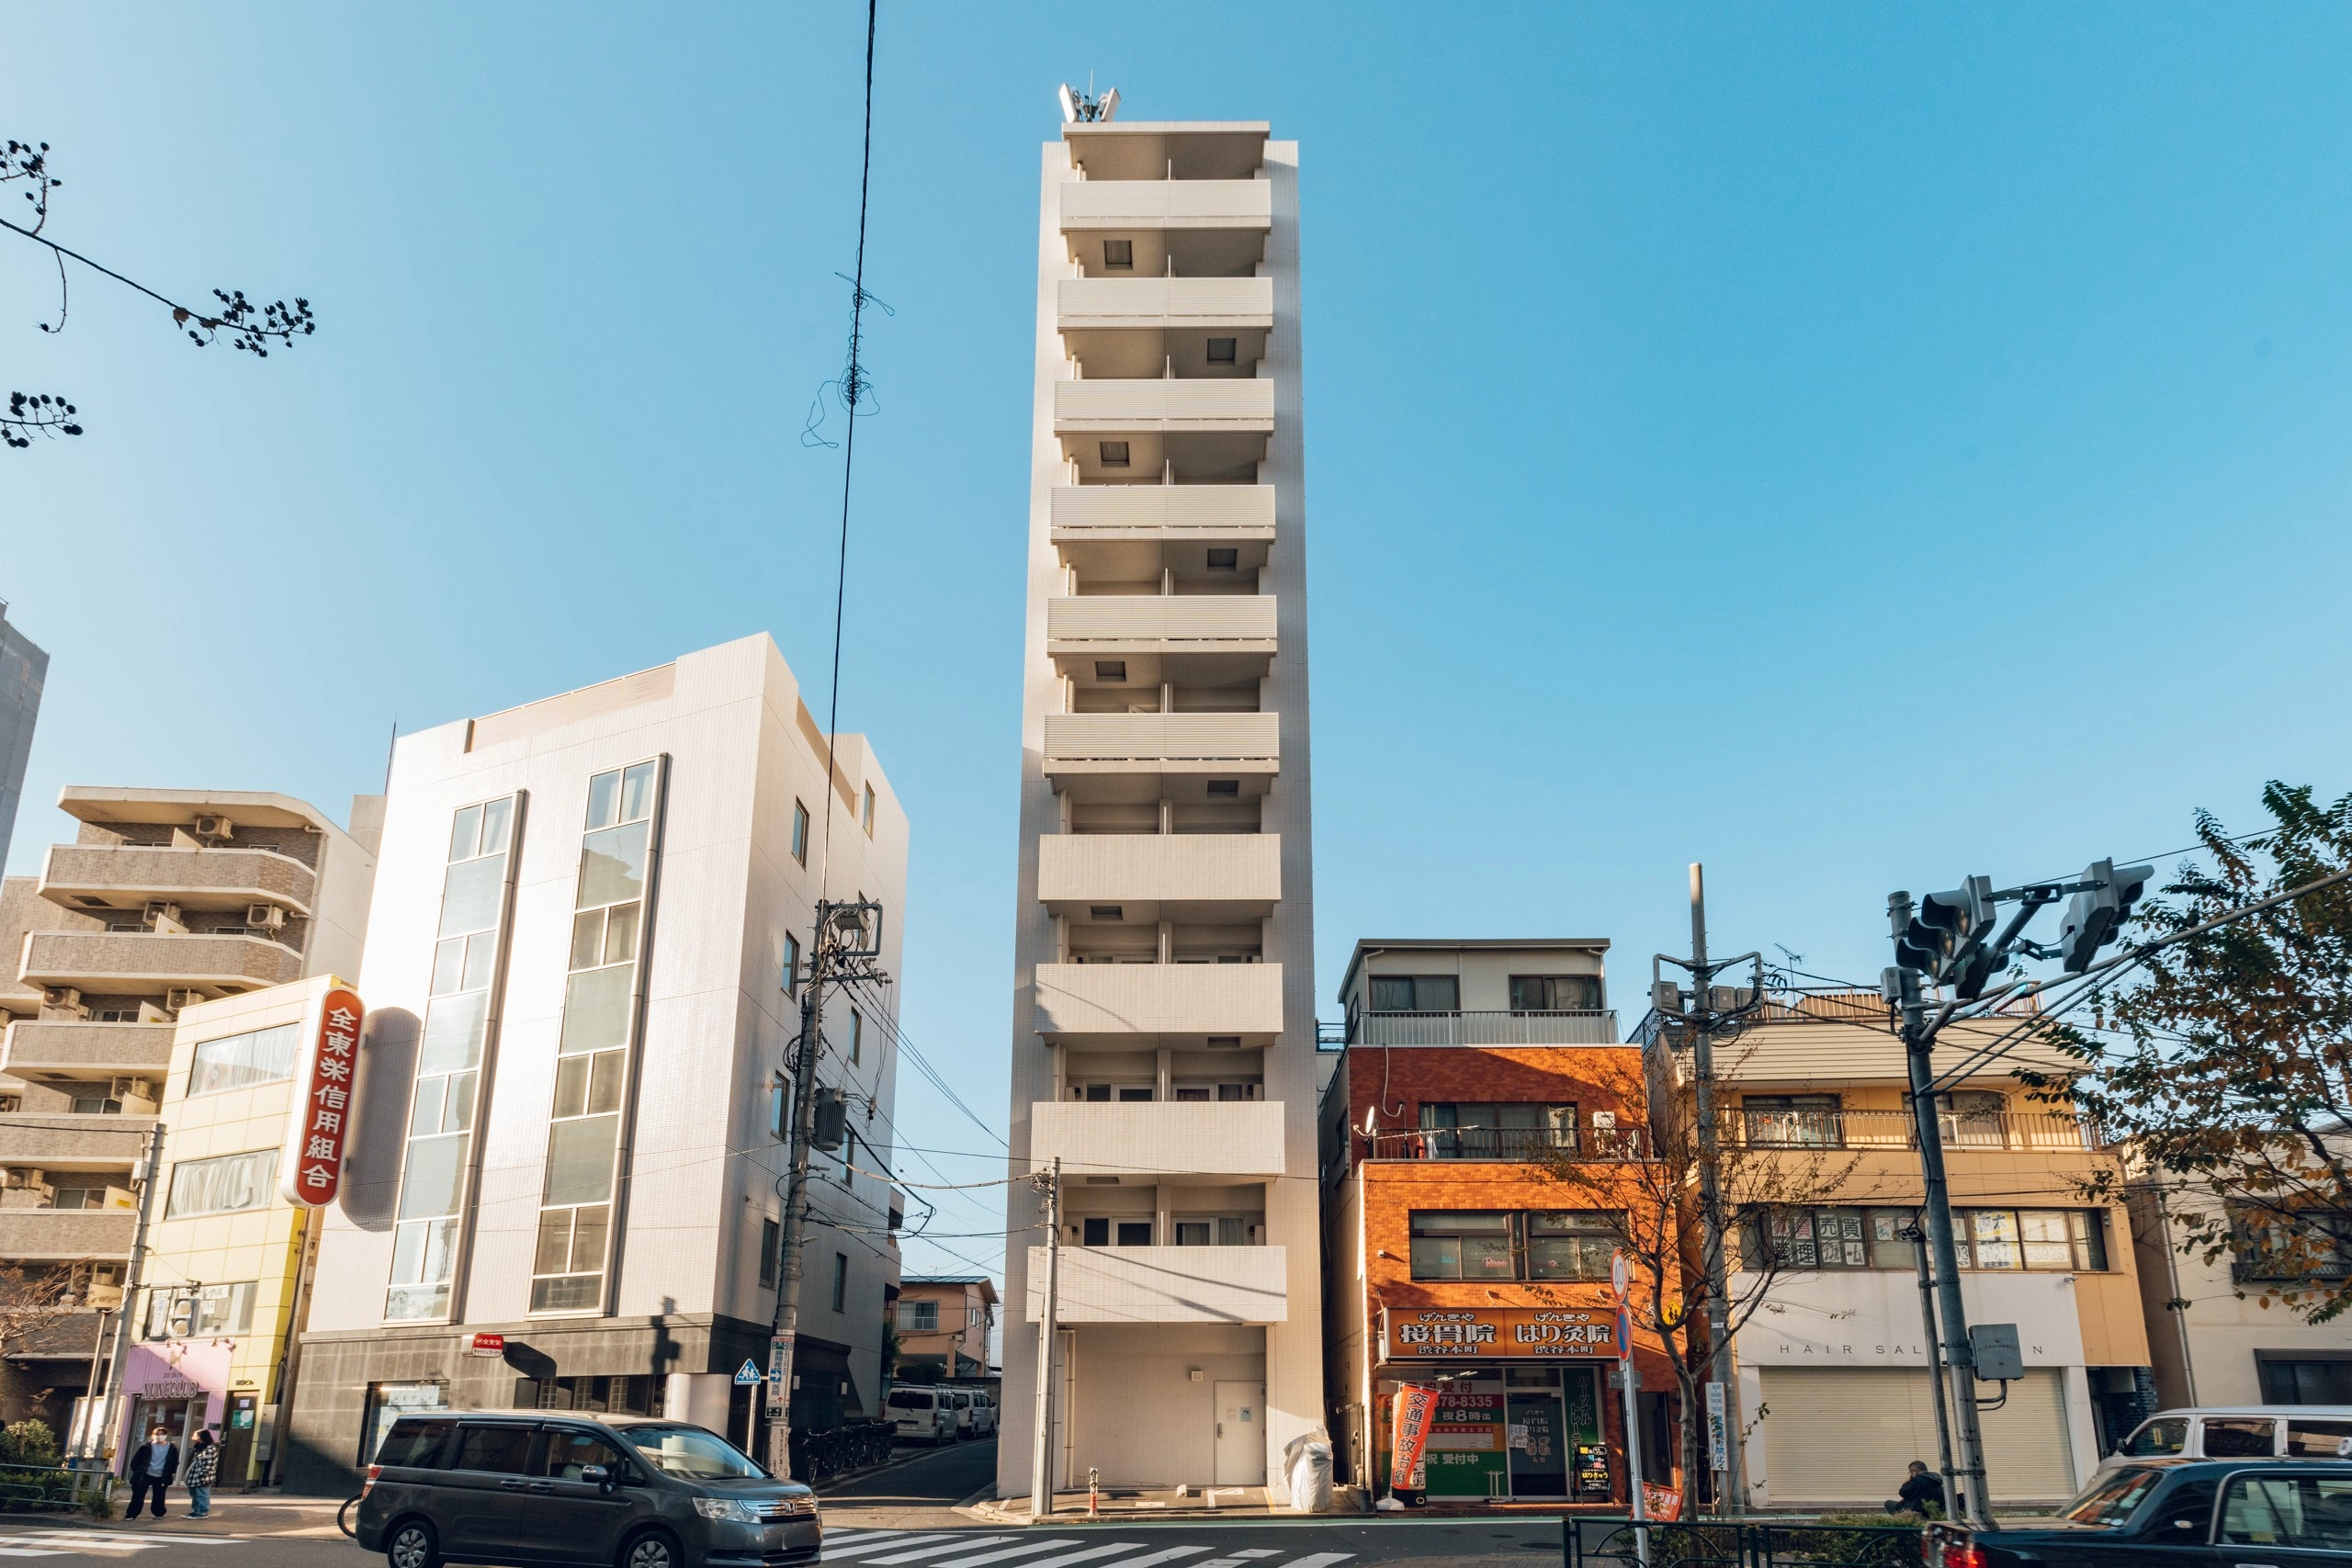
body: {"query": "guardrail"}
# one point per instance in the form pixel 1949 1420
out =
pixel 50 1488
pixel 1610 1542
pixel 1893 1130
pixel 1582 1026
pixel 1517 1144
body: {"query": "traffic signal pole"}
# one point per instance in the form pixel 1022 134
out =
pixel 1967 1498
pixel 784 1337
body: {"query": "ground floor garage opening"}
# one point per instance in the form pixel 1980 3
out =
pixel 1165 1406
pixel 1838 1437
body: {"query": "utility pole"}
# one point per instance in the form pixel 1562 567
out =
pixel 1041 1464
pixel 151 1172
pixel 1935 1361
pixel 847 939
pixel 1699 1023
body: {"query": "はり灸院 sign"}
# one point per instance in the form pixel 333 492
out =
pixel 318 1124
pixel 1510 1334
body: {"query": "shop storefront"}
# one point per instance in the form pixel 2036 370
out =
pixel 1525 1408
pixel 180 1387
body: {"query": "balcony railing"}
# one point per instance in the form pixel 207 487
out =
pixel 1154 868
pixel 1146 204
pixel 1240 1000
pixel 1515 1145
pixel 1110 623
pixel 196 878
pixel 1084 739
pixel 78 1048
pixel 1081 303
pixel 1596 1026
pixel 51 1234
pixel 1164 1284
pixel 1217 512
pixel 1139 1139
pixel 67 1142
pixel 152 960
pixel 1223 402
pixel 1893 1130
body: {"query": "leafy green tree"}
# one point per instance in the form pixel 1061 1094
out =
pixel 2224 1064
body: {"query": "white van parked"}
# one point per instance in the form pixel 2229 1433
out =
pixel 983 1414
pixel 923 1415
pixel 960 1400
pixel 2242 1431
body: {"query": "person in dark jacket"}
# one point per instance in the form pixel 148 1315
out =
pixel 153 1464
pixel 1921 1489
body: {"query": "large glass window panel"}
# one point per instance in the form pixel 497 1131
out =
pixel 1993 1234
pixel 454 1030
pixel 579 1160
pixel 596 1009
pixel 436 1167
pixel 239 1061
pixel 229 1184
pixel 469 898
pixel 612 865
pixel 465 834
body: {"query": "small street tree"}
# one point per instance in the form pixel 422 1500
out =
pixel 1646 1180
pixel 2225 1066
pixel 252 328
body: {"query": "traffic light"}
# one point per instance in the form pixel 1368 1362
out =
pixel 1948 936
pixel 2096 916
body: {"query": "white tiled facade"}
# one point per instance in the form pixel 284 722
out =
pixel 655 1273
pixel 1163 1031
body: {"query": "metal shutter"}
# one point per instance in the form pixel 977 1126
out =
pixel 1843 1436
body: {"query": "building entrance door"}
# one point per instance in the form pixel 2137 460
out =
pixel 1539 1450
pixel 237 1441
pixel 1241 1434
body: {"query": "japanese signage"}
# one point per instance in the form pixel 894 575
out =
pixel 1718 1450
pixel 490 1347
pixel 1500 1334
pixel 1415 1408
pixel 318 1126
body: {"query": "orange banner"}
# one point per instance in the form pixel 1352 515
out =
pixel 1415 1406
pixel 1662 1503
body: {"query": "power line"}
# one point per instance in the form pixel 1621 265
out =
pixel 896 1035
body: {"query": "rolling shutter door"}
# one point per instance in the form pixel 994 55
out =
pixel 1844 1436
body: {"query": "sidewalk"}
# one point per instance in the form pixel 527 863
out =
pixel 1144 1503
pixel 233 1513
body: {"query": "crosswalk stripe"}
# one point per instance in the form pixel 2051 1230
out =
pixel 1240 1559
pixel 953 1543
pixel 1171 1555
pixel 1318 1559
pixel 1023 1549
pixel 884 1540
pixel 32 1551
pixel 1088 1555
pixel 845 1532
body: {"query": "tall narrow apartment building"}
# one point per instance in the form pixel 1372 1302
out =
pixel 1163 1021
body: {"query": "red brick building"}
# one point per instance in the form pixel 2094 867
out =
pixel 1457 1256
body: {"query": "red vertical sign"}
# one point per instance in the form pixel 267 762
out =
pixel 317 1128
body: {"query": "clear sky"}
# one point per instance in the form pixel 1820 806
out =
pixel 1851 445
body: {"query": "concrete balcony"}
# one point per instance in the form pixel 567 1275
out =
pixel 1149 742
pixel 1164 1284
pixel 133 961
pixel 1217 513
pixel 1082 1000
pixel 89 877
pixel 48 1235
pixel 1593 1027
pixel 1199 878
pixel 1195 639
pixel 89 1050
pixel 1165 1137
pixel 1164 304
pixel 71 1143
pixel 1090 206
pixel 1225 404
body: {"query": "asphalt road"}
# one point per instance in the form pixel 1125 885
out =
pixel 902 1517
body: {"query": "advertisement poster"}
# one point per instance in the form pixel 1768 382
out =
pixel 1662 1502
pixel 1415 1406
pixel 1468 1446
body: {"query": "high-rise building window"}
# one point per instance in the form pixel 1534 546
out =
pixel 458 1025
pixel 800 832
pixel 791 964
pixel 570 1260
pixel 841 1282
pixel 865 812
pixel 771 1240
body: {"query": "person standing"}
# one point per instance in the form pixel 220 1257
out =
pixel 154 1463
pixel 203 1465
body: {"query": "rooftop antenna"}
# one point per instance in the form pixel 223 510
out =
pixel 1080 108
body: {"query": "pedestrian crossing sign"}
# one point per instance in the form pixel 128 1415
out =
pixel 748 1374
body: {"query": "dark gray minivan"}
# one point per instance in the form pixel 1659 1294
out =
pixel 588 1490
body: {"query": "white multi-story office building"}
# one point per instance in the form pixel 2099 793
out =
pixel 1163 1023
pixel 591 919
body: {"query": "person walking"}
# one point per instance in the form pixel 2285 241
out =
pixel 203 1465
pixel 154 1463
pixel 1921 1489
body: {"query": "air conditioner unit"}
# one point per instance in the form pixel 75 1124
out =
pixel 161 913
pixel 1604 1119
pixel 150 1014
pixel 214 828
pixel 265 917
pixel 180 997
pixel 68 997
pixel 131 1089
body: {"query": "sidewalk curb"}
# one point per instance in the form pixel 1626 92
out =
pixel 872 1471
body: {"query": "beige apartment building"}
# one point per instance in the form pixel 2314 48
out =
pixel 166 899
pixel 1163 1019
pixel 943 1321
pixel 1833 1380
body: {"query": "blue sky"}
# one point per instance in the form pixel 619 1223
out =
pixel 1854 447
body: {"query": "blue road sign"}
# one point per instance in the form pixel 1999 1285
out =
pixel 748 1374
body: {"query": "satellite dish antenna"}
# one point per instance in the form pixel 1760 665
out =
pixel 1069 104
pixel 1106 107
pixel 1371 1120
